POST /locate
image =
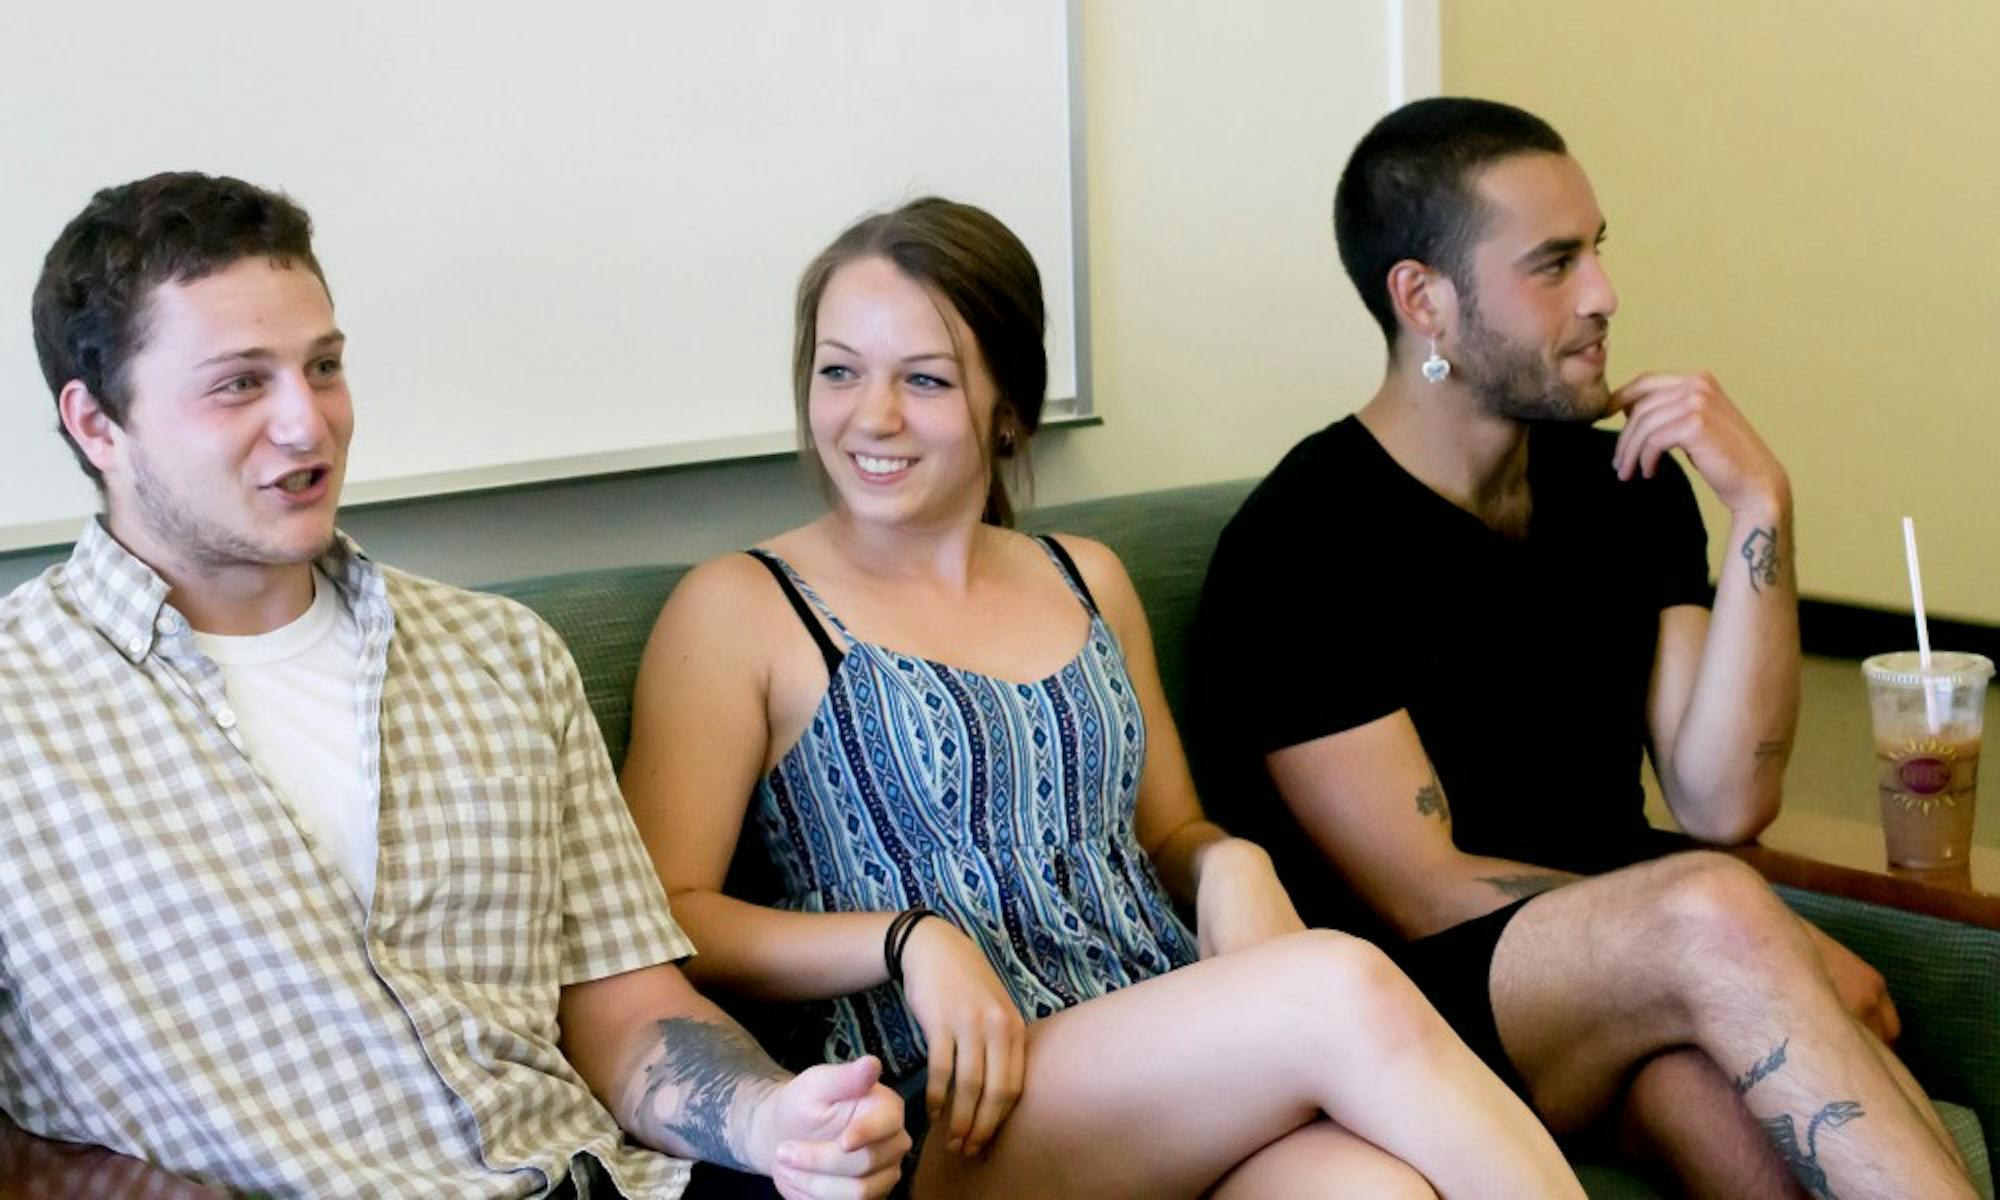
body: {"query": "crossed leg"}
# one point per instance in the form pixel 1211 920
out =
pixel 1695 950
pixel 1236 1063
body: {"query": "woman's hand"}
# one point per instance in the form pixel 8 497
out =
pixel 977 1038
pixel 1238 899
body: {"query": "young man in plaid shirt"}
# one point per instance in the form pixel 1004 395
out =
pixel 316 877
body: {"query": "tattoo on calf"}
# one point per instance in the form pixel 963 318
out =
pixel 1519 886
pixel 693 1086
pixel 1760 557
pixel 1804 1161
pixel 1761 1070
pixel 1431 802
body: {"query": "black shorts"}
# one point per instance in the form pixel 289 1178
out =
pixel 1453 968
pixel 708 1182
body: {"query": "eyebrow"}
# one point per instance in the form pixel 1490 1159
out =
pixel 1556 247
pixel 909 358
pixel 325 341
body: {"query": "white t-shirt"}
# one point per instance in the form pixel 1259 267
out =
pixel 296 692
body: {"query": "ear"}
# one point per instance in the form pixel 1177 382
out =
pixel 1426 301
pixel 87 422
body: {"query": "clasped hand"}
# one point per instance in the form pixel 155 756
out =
pixel 835 1133
pixel 978 1041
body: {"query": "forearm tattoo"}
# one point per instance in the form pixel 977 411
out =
pixel 694 1087
pixel 1520 886
pixel 1772 751
pixel 1431 802
pixel 1760 557
pixel 1784 1134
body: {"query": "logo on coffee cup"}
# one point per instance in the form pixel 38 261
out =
pixel 1925 776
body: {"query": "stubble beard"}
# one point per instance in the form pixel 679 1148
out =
pixel 1514 381
pixel 198 542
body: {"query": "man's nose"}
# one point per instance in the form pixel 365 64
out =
pixel 297 421
pixel 1597 297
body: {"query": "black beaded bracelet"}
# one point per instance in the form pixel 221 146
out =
pixel 898 937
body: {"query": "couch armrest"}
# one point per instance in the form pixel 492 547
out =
pixel 36 1168
pixel 1945 979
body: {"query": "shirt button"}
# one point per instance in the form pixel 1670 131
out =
pixel 168 624
pixel 226 718
pixel 135 647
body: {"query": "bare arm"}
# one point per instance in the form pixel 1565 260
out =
pixel 1372 804
pixel 680 1076
pixel 1725 692
pixel 700 735
pixel 1228 882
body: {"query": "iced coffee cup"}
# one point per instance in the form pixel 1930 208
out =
pixel 1927 727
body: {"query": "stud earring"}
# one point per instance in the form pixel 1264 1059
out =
pixel 1435 368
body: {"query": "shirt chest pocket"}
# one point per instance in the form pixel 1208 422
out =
pixel 471 878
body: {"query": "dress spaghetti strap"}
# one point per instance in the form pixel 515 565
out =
pixel 787 581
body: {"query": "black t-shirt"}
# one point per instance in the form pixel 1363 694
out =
pixel 1344 589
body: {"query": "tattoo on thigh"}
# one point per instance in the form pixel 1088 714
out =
pixel 1518 886
pixel 1762 1070
pixel 1804 1160
pixel 697 1078
pixel 1431 802
pixel 1760 557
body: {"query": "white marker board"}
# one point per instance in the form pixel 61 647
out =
pixel 562 239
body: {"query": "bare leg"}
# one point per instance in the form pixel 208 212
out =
pixel 1162 1089
pixel 1682 1112
pixel 1697 950
pixel 1322 1159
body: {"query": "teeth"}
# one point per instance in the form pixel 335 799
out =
pixel 882 466
pixel 297 481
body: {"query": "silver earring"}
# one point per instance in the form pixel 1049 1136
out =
pixel 1436 369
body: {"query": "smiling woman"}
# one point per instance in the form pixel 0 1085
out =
pixel 952 742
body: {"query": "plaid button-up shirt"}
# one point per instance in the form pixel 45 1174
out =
pixel 186 977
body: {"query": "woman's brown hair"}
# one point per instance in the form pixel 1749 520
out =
pixel 972 262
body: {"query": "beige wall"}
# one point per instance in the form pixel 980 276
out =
pixel 1221 328
pixel 1804 197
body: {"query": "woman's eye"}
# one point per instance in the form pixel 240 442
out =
pixel 327 368
pixel 836 373
pixel 929 382
pixel 239 385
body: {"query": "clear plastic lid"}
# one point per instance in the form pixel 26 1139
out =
pixel 1905 668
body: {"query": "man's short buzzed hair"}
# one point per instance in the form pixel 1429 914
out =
pixel 90 302
pixel 1408 192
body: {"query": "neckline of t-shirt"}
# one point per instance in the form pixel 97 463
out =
pixel 288 641
pixel 1538 483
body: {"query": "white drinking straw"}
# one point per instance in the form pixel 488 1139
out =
pixel 1923 626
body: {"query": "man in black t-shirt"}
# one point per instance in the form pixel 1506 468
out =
pixel 1437 639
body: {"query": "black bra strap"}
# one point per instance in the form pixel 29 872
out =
pixel 1069 568
pixel 827 650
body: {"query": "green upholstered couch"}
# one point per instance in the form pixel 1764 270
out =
pixel 1945 977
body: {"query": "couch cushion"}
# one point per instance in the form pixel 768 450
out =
pixel 1942 977
pixel 604 618
pixel 1165 540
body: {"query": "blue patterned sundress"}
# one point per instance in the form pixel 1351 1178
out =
pixel 1007 808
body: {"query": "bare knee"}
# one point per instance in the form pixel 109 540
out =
pixel 1355 994
pixel 1715 913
